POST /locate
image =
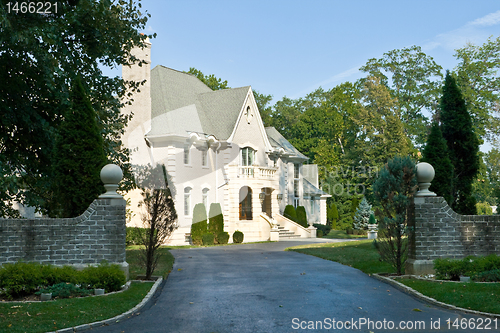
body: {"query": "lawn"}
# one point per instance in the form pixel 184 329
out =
pixel 63 313
pixel 363 256
pixel 341 234
pixel 475 296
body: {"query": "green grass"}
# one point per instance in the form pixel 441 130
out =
pixel 475 296
pixel 358 254
pixel 341 234
pixel 63 313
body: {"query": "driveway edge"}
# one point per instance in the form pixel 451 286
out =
pixel 118 318
pixel 408 290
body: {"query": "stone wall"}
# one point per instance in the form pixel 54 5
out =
pixel 96 235
pixel 442 233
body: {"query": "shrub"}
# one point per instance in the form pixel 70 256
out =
pixel 216 219
pixel 484 208
pixel 65 290
pixel 105 276
pixel 332 215
pixel 134 235
pixel 319 233
pixel 451 269
pixel 488 276
pixel 302 216
pixel 290 213
pixel 199 226
pixel 222 237
pixel 325 229
pixel 21 279
pixel 372 219
pixel 238 237
pixel 208 238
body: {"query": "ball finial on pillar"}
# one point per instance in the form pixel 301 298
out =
pixel 425 175
pixel 111 174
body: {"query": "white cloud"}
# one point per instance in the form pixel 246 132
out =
pixel 486 21
pixel 474 32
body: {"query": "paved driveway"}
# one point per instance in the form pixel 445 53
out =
pixel 261 288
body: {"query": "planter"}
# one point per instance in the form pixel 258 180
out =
pixel 98 291
pixel 45 297
pixel 465 279
pixel 372 234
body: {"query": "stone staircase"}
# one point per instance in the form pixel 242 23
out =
pixel 286 234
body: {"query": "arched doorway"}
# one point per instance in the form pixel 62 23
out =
pixel 245 203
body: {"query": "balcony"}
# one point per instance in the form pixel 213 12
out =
pixel 256 172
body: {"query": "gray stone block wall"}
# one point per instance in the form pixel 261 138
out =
pixel 96 235
pixel 442 233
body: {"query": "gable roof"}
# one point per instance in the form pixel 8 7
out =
pixel 181 103
pixel 278 141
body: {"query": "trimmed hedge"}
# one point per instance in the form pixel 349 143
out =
pixel 222 238
pixel 208 238
pixel 290 213
pixel 216 219
pixel 302 216
pixel 199 226
pixel 478 268
pixel 238 237
pixel 20 279
pixel 325 229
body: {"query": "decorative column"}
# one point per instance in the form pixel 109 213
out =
pixel 425 175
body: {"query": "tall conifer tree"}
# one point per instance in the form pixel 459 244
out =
pixel 463 146
pixel 436 153
pixel 78 157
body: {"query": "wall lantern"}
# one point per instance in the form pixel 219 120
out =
pixel 262 196
pixel 279 197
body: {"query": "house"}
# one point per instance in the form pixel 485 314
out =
pixel 217 150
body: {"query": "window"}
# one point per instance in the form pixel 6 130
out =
pixel 245 203
pixel 312 205
pixel 247 156
pixel 187 201
pixel 187 157
pixel 204 197
pixel 296 177
pixel 204 158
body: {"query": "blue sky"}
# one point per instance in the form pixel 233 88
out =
pixel 290 48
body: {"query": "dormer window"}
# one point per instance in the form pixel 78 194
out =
pixel 247 156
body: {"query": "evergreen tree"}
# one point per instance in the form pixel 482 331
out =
pixel 362 215
pixel 436 153
pixel 78 157
pixel 333 215
pixel 463 146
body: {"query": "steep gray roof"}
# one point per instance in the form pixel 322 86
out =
pixel 311 190
pixel 278 141
pixel 181 103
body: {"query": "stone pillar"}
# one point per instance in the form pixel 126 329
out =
pixel 425 175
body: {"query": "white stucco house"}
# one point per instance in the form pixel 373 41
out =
pixel 216 149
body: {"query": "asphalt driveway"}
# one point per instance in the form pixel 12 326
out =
pixel 261 288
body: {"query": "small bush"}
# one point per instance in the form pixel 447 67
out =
pixel 290 213
pixel 222 238
pixel 451 269
pixel 238 237
pixel 21 279
pixel 208 238
pixel 199 226
pixel 319 233
pixel 134 235
pixel 65 290
pixel 488 276
pixel 349 231
pixel 325 229
pixel 105 276
pixel 302 216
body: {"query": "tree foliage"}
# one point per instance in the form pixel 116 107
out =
pixel 210 81
pixel 414 80
pixel 436 154
pixel 158 215
pixel 78 157
pixel 40 56
pixel 393 190
pixel 463 146
pixel 362 215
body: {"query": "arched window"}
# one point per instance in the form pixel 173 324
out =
pixel 187 201
pixel 245 203
pixel 204 197
pixel 247 156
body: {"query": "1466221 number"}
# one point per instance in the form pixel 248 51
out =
pixel 473 323
pixel 32 7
